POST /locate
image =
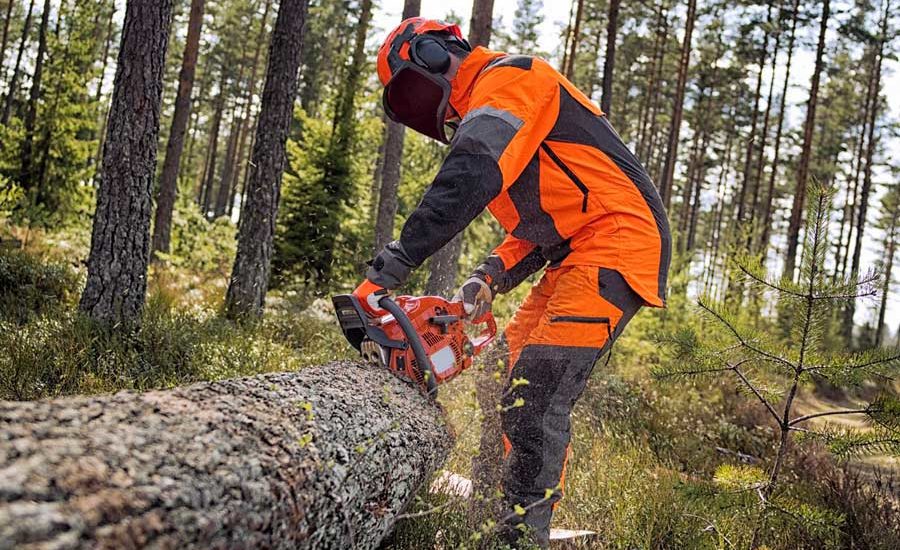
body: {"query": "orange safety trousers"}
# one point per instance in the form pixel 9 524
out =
pixel 570 319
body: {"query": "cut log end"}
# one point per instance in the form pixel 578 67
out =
pixel 326 457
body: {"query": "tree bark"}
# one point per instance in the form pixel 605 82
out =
pixel 609 61
pixel 250 276
pixel 391 160
pixel 326 457
pixel 482 22
pixel 796 219
pixel 4 39
pixel 224 192
pixel 445 262
pixel 168 179
pixel 11 91
pixel 34 96
pixel 101 135
pixel 647 125
pixel 120 240
pixel 665 184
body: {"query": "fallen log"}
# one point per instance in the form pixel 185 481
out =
pixel 326 457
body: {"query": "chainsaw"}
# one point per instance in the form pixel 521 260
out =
pixel 422 339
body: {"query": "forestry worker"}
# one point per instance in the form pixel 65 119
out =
pixel 541 156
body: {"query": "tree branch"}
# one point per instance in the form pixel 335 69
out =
pixel 744 342
pixel 756 392
pixel 806 417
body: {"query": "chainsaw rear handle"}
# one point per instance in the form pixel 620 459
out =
pixel 414 340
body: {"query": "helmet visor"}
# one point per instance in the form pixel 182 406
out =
pixel 418 99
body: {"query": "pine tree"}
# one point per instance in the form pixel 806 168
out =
pixel 168 180
pixel 795 221
pixel 120 242
pixel 14 79
pixel 889 223
pixel 250 276
pixel 523 39
pixel 775 374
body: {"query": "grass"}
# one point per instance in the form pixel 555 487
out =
pixel 645 455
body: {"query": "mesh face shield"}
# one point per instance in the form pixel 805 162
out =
pixel 418 99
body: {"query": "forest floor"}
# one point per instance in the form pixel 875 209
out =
pixel 646 455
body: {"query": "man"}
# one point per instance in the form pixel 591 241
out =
pixel 545 161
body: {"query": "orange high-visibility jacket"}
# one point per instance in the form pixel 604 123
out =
pixel 545 161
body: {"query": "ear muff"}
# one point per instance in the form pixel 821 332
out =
pixel 430 53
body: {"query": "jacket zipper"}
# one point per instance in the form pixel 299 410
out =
pixel 575 319
pixel 575 179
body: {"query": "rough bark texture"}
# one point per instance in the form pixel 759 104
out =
pixel 168 180
pixel 13 81
pixel 482 22
pixel 323 458
pixel 390 163
pixel 120 240
pixel 609 62
pixel 665 184
pixel 796 219
pixel 250 275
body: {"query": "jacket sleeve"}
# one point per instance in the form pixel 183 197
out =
pixel 511 263
pixel 494 143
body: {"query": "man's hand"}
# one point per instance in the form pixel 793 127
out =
pixel 369 293
pixel 476 295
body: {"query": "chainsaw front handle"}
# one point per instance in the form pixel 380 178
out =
pixel 414 340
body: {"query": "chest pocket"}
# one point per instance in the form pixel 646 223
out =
pixel 570 175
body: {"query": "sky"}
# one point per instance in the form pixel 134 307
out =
pixel 556 13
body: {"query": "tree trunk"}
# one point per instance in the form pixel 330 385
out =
pixel 391 159
pixel 850 310
pixel 796 219
pixel 168 180
pixel 209 174
pixel 4 39
pixel 609 61
pixel 34 96
pixel 569 69
pixel 445 262
pixel 101 135
pixel 228 169
pixel 248 100
pixel 665 184
pixel 120 240
pixel 250 276
pixel 889 253
pixel 770 191
pixel 761 157
pixel 326 457
pixel 11 91
pixel 481 25
pixel 650 101
pixel 746 181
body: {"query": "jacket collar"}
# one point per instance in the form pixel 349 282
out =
pixel 469 71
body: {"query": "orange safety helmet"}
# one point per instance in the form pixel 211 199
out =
pixel 411 66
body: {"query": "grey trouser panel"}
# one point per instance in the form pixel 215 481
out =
pixel 539 431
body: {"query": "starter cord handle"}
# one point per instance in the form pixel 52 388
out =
pixel 414 341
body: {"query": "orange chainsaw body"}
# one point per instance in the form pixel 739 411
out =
pixel 439 326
